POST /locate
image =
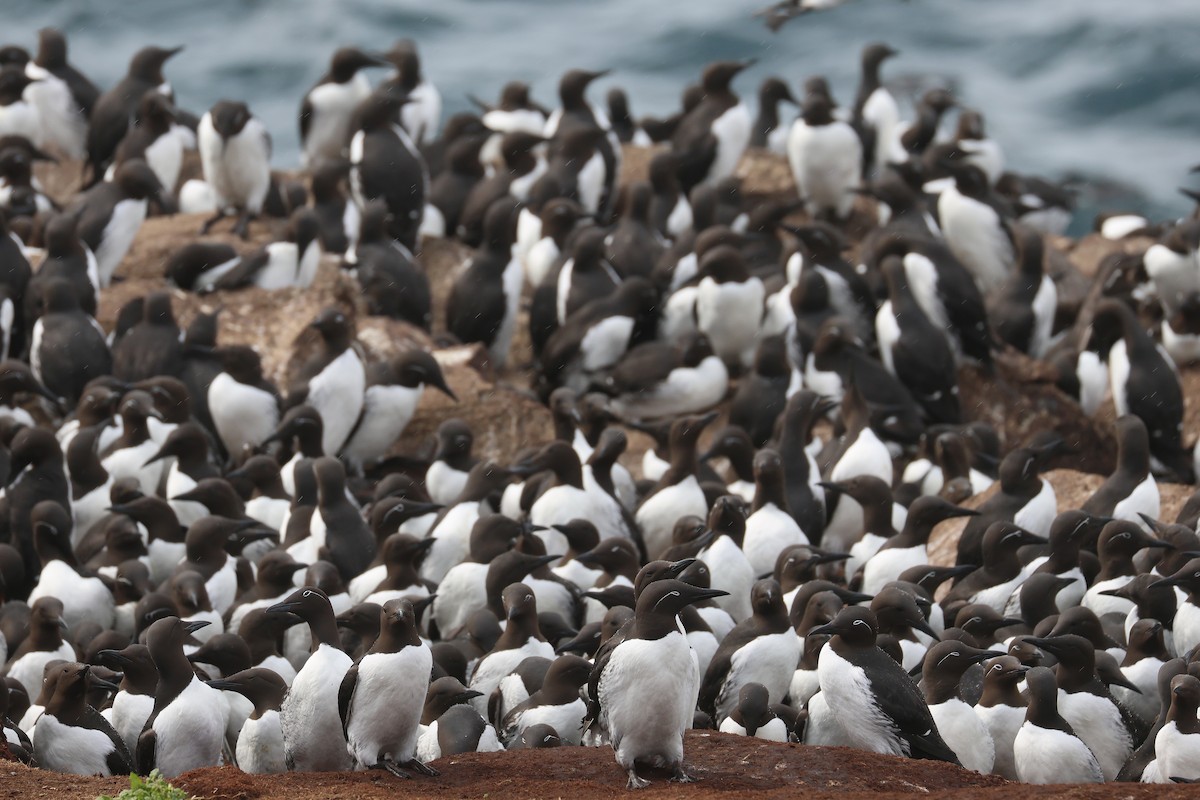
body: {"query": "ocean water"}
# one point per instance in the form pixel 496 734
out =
pixel 1104 92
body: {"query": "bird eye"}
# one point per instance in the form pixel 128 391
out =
pixel 306 594
pixel 1122 535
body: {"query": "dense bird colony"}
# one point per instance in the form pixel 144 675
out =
pixel 200 565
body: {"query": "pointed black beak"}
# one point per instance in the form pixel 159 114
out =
pixel 928 630
pixel 828 629
pixel 678 567
pixel 100 683
pixel 114 657
pixel 194 625
pixel 439 383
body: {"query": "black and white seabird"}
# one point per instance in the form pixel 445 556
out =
pixel 63 95
pixel 134 701
pixel 313 738
pixel 522 637
pixel 1001 708
pixel 762 392
pixel 648 683
pixel 186 728
pixel 327 108
pixel 422 115
pixel 450 186
pixel 67 258
pixel 235 154
pixel 1177 744
pixel 1085 702
pixel 244 406
pixel 43 644
pixel 110 214
pixel 386 164
pixel 710 139
pixel 1144 382
pixel 71 736
pixel 754 716
pixel 1046 749
pixel 157 139
pixel 260 740
pixel 974 229
pixel 877 704
pixel 941 677
pixel 1022 312
pixel 85 597
pixel 1130 492
pixel 333 381
pixel 113 111
pixel 394 390
pixel 770 527
pixel 1025 499
pixel 483 302
pixel 393 675
pixel 908 548
pixel 825 155
pixel 769 131
pixel 68 348
pixel 876 115
pixel 763 649
pixel 661 380
pixel 914 350
pixel 557 703
pixel 677 493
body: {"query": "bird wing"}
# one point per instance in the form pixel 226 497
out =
pixel 591 720
pixel 242 274
pixel 306 115
pixel 346 696
pixel 696 153
pixel 119 760
pixel 644 366
pixel 901 701
pixel 90 223
pixel 476 309
pixel 720 665
pixel 146 745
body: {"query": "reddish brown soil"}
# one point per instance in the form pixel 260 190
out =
pixel 727 766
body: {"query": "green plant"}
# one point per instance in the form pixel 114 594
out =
pixel 152 787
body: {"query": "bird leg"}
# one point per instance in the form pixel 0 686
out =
pixel 213 220
pixel 242 227
pixel 421 767
pixel 635 782
pixel 680 775
pixel 392 767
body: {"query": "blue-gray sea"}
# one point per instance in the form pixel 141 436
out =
pixel 1103 90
